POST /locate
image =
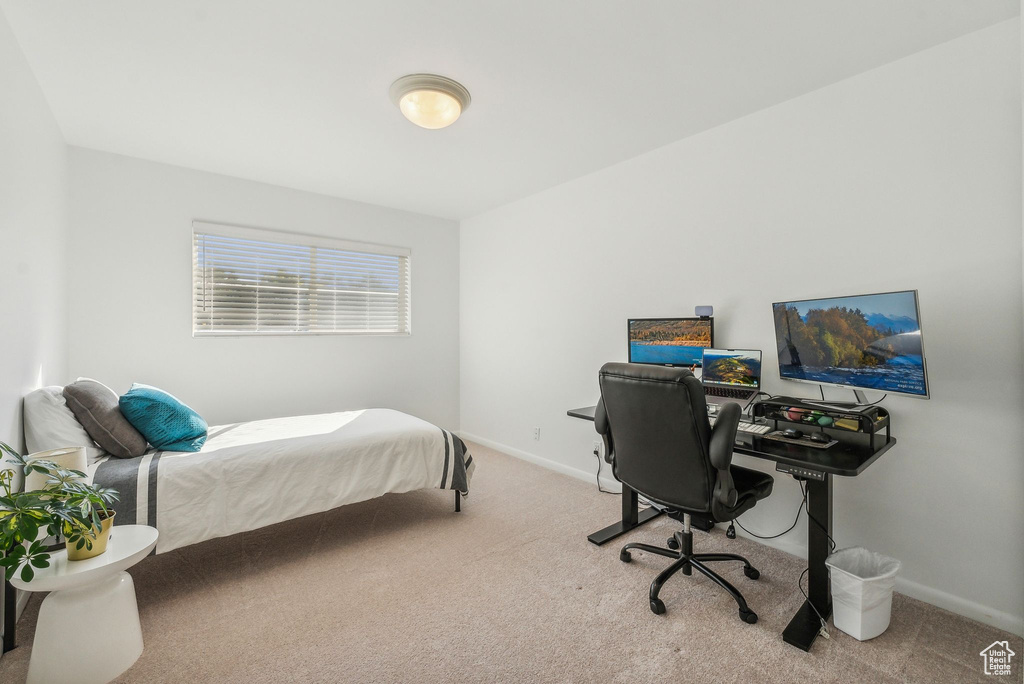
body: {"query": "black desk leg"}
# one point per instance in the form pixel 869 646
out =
pixel 631 518
pixel 805 625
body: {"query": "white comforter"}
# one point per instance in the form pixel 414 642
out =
pixel 249 475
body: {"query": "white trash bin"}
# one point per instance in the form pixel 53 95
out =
pixel 862 583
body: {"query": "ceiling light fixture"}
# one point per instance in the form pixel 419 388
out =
pixel 429 100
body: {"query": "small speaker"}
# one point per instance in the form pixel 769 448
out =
pixel 704 311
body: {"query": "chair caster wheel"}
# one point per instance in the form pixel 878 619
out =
pixel 748 616
pixel 752 573
pixel 625 556
pixel 658 607
pixel 673 544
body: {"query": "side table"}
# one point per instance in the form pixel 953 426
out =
pixel 88 628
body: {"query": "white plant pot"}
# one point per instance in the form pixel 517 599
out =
pixel 72 458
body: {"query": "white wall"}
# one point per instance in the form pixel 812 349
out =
pixel 33 348
pixel 32 232
pixel 907 176
pixel 130 298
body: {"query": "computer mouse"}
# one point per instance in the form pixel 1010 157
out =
pixel 792 434
pixel 820 437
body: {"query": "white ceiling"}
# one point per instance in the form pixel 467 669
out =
pixel 295 92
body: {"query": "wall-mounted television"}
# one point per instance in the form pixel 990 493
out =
pixel 869 341
pixel 669 341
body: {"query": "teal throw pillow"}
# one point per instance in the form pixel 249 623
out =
pixel 165 422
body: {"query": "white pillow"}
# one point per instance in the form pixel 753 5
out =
pixel 50 424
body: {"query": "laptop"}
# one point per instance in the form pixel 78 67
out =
pixel 731 375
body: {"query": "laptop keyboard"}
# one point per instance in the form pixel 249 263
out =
pixel 727 392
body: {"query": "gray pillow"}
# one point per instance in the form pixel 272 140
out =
pixel 95 406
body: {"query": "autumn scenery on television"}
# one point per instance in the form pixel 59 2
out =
pixel 867 341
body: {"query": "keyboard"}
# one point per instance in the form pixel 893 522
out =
pixel 727 392
pixel 748 427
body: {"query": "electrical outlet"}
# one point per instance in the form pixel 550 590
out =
pixel 597 448
pixel 536 433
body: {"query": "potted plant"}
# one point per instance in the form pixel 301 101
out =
pixel 66 507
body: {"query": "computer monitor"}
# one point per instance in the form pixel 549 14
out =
pixel 740 368
pixel 669 341
pixel 863 342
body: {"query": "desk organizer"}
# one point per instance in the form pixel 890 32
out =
pixel 868 420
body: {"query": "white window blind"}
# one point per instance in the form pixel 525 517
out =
pixel 247 281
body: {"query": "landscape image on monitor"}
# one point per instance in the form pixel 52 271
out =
pixel 732 367
pixel 868 341
pixel 670 341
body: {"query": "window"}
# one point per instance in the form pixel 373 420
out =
pixel 258 282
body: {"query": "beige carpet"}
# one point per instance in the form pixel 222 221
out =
pixel 402 589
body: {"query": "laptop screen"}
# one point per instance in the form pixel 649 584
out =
pixel 732 367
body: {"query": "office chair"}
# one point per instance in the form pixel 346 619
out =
pixel 654 422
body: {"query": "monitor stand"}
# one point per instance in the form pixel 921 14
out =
pixel 859 397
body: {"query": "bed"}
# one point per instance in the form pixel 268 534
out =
pixel 253 474
pixel 258 473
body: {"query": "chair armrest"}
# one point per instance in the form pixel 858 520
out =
pixel 723 437
pixel 600 418
pixel 601 425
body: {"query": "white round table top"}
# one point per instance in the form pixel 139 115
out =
pixel 128 544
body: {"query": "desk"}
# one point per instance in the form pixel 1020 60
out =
pixel 850 457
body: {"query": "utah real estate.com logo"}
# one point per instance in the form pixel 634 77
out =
pixel 997 658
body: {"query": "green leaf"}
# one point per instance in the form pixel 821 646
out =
pixel 68 507
pixel 28 529
pixel 27 573
pixel 41 561
pixel 80 544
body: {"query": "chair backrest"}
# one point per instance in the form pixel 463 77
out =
pixel 659 433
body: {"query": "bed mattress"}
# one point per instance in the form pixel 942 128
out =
pixel 250 475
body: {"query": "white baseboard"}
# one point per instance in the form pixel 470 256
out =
pixel 782 544
pixel 961 606
pixel 607 483
pixel 935 597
